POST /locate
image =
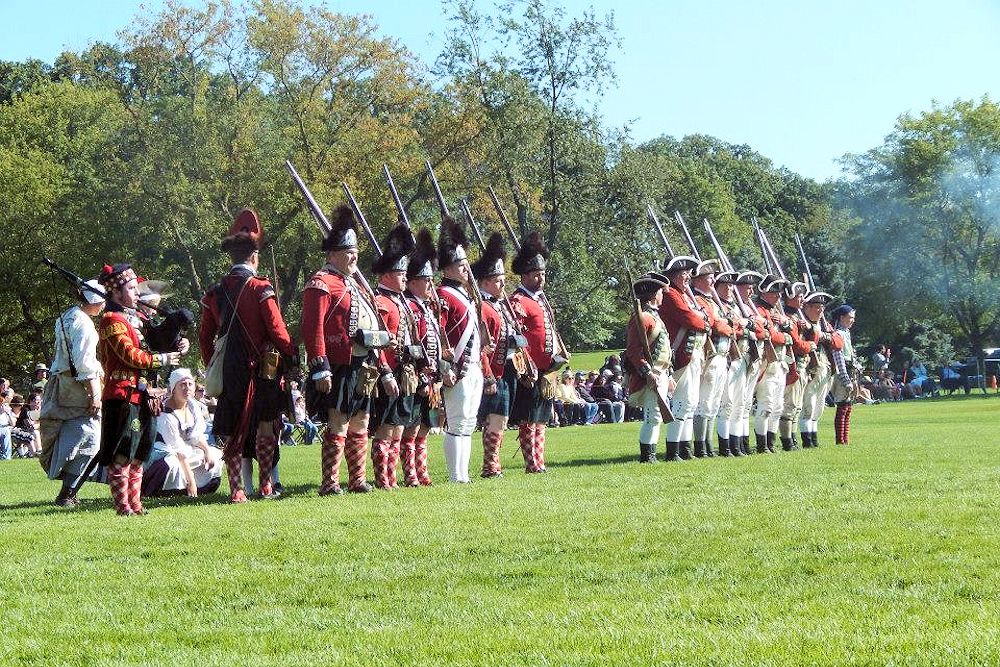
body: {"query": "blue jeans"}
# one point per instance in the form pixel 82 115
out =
pixel 5 444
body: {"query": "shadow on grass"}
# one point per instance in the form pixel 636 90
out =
pixel 575 463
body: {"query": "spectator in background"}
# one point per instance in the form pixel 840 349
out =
pixel 880 360
pixel 7 420
pixel 592 407
pixel 301 419
pixel 612 363
pixel 24 435
pixel 609 400
pixel 41 377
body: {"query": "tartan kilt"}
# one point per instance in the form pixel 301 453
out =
pixel 530 407
pixel 342 397
pixel 502 401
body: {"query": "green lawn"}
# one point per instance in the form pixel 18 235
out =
pixel 885 552
pixel 589 361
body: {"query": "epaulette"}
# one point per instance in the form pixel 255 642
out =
pixel 113 329
pixel 317 282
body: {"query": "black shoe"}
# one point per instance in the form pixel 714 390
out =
pixel 795 441
pixel 786 444
pixel 684 450
pixel 814 439
pixel 743 447
pixel 643 453
pixel 652 453
pixel 761 443
pixel 699 449
pixel 672 451
pixel 724 447
pixel 365 487
pixel 709 454
pixel 770 441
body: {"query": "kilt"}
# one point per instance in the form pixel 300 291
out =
pixel 126 429
pixel 529 406
pixel 501 402
pixel 342 397
pixel 421 414
pixel 388 411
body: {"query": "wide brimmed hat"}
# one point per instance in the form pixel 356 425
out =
pixel 396 249
pixel 41 367
pixel 452 243
pixel 819 297
pixel 795 289
pixel 646 285
pixel 680 263
pixel 749 278
pixel 490 263
pixel 531 256
pixel 423 259
pixel 343 232
pixel 245 232
pixel 772 284
pixel 726 277
pixel 709 266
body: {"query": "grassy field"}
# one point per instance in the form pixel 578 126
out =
pixel 885 552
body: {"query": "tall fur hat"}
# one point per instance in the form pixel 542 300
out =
pixel 452 243
pixel 245 234
pixel 343 230
pixel 399 243
pixel 423 259
pixel 531 256
pixel 490 263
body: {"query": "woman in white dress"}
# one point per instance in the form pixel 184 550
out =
pixel 181 460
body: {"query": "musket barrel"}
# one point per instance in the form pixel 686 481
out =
pixel 473 225
pixel 503 219
pixel 361 218
pixel 442 204
pixel 395 196
pixel 314 208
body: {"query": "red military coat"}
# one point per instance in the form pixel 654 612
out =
pixel 500 332
pixel 655 333
pixel 426 324
pixel 457 314
pixel 537 325
pixel 772 324
pixel 682 319
pixel 122 355
pixel 396 315
pixel 330 307
pixel 258 311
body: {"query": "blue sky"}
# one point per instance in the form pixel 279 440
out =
pixel 802 82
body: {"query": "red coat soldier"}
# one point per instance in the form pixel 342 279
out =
pixel 243 307
pixel 771 385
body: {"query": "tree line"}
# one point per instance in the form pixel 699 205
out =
pixel 145 149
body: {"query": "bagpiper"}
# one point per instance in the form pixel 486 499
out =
pixel 243 308
pixel 392 412
pixel 128 421
pixel 715 373
pixel 820 375
pixel 425 308
pixel 343 337
pixel 500 385
pixel 532 406
pixel 460 323
pixel 688 326
pixel 802 350
pixel 648 378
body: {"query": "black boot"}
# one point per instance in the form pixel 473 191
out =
pixel 672 448
pixel 652 454
pixel 736 445
pixel 814 438
pixel 684 449
pixel 770 441
pixel 723 446
pixel 786 444
pixel 795 440
pixel 806 440
pixel 643 453
pixel 709 454
pixel 745 445
pixel 761 443
pixel 699 449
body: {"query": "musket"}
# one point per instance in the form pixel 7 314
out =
pixel 361 218
pixel 473 225
pixel 504 220
pixel 805 263
pixel 745 308
pixel 474 294
pixel 75 280
pixel 734 352
pixel 659 229
pixel 662 402
pixel 400 209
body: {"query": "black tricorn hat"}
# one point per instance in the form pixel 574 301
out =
pixel 647 285
pixel 451 243
pixel 399 243
pixel 531 256
pixel 343 232
pixel 490 263
pixel 423 259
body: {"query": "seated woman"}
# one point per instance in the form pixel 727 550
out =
pixel 181 460
pixel 24 435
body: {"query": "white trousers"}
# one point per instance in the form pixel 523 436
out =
pixel 733 398
pixel 685 399
pixel 713 386
pixel 461 406
pixel 770 397
pixel 814 399
pixel 793 400
pixel 649 431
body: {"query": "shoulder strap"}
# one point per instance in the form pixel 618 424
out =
pixel 69 354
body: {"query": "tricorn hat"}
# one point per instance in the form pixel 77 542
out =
pixel 726 277
pixel 795 289
pixel 490 263
pixel 343 232
pixel 423 259
pixel 707 267
pixel 399 243
pixel 245 232
pixel 531 256
pixel 749 278
pixel 772 284
pixel 680 263
pixel 821 298
pixel 646 285
pixel 451 243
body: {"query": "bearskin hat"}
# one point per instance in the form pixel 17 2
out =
pixel 399 243
pixel 343 232
pixel 423 259
pixel 531 256
pixel 245 235
pixel 490 263
pixel 452 243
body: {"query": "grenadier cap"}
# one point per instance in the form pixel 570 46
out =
pixel 399 243
pixel 490 263
pixel 680 263
pixel 113 277
pixel 423 259
pixel 749 278
pixel 709 266
pixel 795 289
pixel 451 243
pixel 531 256
pixel 821 298
pixel 343 232
pixel 245 232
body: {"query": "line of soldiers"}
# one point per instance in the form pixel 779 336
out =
pixel 719 363
pixel 380 360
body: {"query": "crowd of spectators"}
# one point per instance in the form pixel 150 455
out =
pixel 19 435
